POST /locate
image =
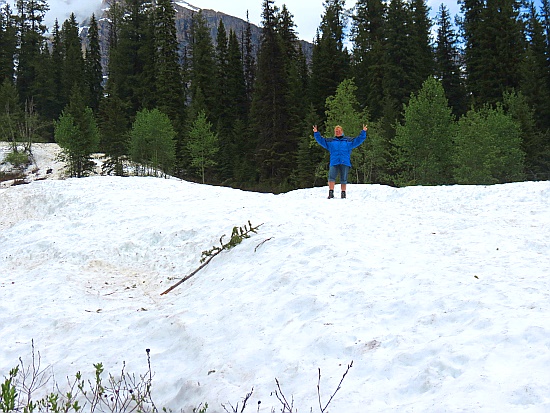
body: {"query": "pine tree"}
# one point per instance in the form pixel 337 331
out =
pixel 424 139
pixel 296 71
pixel 222 116
pixel 131 64
pixel 170 91
pixel 77 134
pixel 369 56
pixel 249 63
pixel 73 62
pixel 448 60
pixel 533 143
pixel 203 67
pixel 236 82
pixel 202 145
pixel 8 43
pixel 114 127
pixel 11 114
pixel 31 33
pixel 330 59
pixel 535 83
pixel 234 114
pixel 59 101
pixel 421 49
pixel 93 68
pixel 494 48
pixel 269 112
pixel 400 79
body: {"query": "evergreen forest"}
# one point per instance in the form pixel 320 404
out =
pixel 447 99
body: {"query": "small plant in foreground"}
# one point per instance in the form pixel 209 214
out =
pixel 22 391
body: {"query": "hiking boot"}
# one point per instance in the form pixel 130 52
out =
pixel 330 193
pixel 343 194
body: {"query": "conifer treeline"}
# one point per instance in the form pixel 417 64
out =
pixel 255 108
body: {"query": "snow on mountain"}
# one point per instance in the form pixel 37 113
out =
pixel 187 6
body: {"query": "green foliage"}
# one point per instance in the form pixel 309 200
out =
pixel 11 113
pixel 330 63
pixel 201 408
pixel 447 61
pixel 77 134
pixel 202 144
pixel 124 393
pixel 114 127
pixel 370 160
pixel 488 148
pixel 93 69
pixel 237 236
pixel 152 144
pixel 8 392
pixel 424 141
pixel 17 158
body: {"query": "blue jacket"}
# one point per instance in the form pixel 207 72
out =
pixel 340 147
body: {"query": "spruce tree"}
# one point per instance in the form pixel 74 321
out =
pixel 269 114
pixel 77 134
pixel 11 114
pixel 330 59
pixel 131 64
pixel 235 141
pixel 31 34
pixel 59 101
pixel 222 116
pixel 295 68
pixel 400 77
pixel 472 33
pixel 93 68
pixel 535 84
pixel 421 47
pixel 170 92
pixel 494 48
pixel 73 63
pixel 424 139
pixel 114 127
pixel 533 141
pixel 203 67
pixel 8 43
pixel 202 145
pixel 447 61
pixel 369 57
pixel 249 63
pixel 236 82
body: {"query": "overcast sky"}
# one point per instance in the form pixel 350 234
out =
pixel 307 13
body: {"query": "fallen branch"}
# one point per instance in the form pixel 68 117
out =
pixel 238 234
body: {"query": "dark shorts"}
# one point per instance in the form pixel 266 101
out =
pixel 336 170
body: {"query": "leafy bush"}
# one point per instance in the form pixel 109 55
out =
pixel 152 143
pixel 17 158
pixel 488 148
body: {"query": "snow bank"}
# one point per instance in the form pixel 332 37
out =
pixel 439 295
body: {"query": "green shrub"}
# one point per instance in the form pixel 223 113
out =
pixel 17 158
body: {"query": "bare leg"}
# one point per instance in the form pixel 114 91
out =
pixel 331 185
